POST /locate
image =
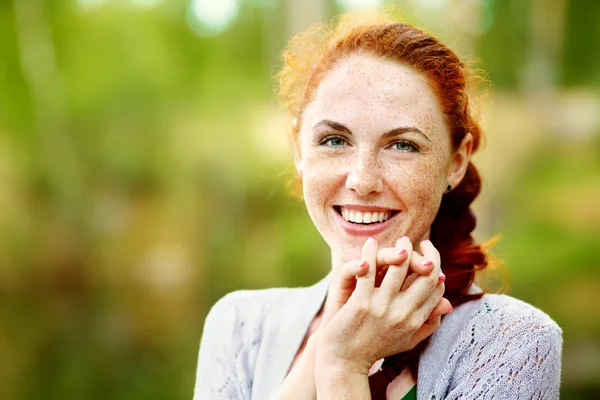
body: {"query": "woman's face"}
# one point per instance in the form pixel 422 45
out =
pixel 375 155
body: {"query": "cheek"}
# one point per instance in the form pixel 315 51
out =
pixel 322 176
pixel 420 186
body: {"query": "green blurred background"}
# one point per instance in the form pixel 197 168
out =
pixel 144 169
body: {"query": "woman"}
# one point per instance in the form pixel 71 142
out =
pixel 383 134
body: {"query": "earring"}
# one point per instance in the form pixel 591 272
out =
pixel 448 188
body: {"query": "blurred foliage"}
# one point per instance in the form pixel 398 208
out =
pixel 144 173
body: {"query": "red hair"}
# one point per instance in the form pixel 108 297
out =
pixel 310 55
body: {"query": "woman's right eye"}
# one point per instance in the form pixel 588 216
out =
pixel 333 141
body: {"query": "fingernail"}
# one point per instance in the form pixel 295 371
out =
pixel 401 252
pixel 442 277
pixel 363 264
pixel 451 309
pixel 405 238
pixel 372 237
pixel 426 263
pixel 427 241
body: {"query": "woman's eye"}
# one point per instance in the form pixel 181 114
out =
pixel 404 146
pixel 333 141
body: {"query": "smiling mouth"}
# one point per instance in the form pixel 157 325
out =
pixel 364 217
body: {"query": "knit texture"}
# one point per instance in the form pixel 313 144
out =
pixel 494 348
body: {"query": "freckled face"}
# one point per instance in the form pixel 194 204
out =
pixel 372 144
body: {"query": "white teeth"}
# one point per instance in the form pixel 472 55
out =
pixel 359 217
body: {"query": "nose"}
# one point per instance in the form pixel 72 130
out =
pixel 364 176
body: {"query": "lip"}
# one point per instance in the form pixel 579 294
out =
pixel 365 230
pixel 364 208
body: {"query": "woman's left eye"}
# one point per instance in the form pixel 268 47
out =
pixel 405 146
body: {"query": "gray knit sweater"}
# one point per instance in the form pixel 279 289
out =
pixel 493 348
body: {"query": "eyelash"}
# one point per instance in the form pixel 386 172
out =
pixel 413 147
pixel 326 139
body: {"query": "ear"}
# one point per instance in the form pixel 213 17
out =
pixel 297 155
pixel 298 162
pixel 460 161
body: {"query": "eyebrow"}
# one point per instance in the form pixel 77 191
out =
pixel 391 133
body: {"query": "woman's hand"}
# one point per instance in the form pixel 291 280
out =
pixel 377 322
pixel 344 280
pixel 300 383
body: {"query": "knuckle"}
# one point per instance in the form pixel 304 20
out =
pixel 379 312
pixel 401 317
pixel 412 325
pixel 432 281
pixel 362 308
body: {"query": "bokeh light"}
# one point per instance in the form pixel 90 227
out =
pixel 209 17
pixel 356 5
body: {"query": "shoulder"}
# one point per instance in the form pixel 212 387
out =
pixel 234 331
pixel 253 304
pixel 247 311
pixel 502 323
pixel 494 347
pixel 250 301
pixel 506 348
pixel 493 320
pixel 239 317
pixel 510 317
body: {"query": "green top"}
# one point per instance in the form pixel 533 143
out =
pixel 411 395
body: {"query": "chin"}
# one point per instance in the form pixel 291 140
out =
pixel 347 251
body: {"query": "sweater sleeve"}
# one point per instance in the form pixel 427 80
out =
pixel 514 352
pixel 220 374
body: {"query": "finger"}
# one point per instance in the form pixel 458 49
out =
pixel 347 275
pixel 413 301
pixel 390 256
pixel 408 281
pixel 425 309
pixel 380 275
pixel 428 328
pixel 386 257
pixel 423 286
pixel 396 256
pixel 393 256
pixel 430 253
pixel 365 284
pixel 417 261
pixel 343 285
pixel 420 264
pixel 423 316
pixel 396 274
pixel 411 278
pixel 443 307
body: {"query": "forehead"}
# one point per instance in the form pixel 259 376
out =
pixel 368 93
